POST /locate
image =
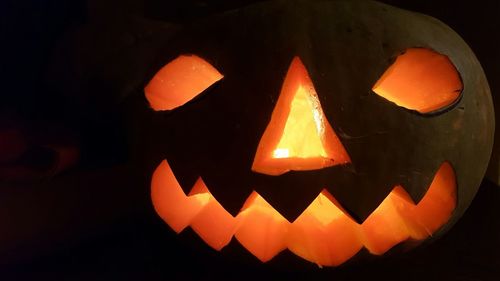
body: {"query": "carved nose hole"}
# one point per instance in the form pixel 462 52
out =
pixel 298 137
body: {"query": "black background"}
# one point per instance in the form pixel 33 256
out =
pixel 95 221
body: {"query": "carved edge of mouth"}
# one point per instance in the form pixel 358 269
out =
pixel 323 234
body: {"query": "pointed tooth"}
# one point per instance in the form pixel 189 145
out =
pixel 359 201
pixel 323 234
pixel 184 173
pixel 169 200
pixel 230 194
pixel 384 228
pixel 213 223
pixel 262 230
pixel 405 208
pixel 438 204
pixel 293 185
pixel 434 209
pixel 416 186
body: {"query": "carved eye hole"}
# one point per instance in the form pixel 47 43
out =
pixel 422 80
pixel 180 81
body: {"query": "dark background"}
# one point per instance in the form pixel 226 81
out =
pixel 94 221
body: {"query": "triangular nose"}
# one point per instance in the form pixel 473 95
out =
pixel 298 137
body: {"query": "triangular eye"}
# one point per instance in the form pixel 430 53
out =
pixel 422 80
pixel 180 81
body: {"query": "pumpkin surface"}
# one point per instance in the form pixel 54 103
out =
pixel 321 127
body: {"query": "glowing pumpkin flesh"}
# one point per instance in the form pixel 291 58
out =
pixel 365 141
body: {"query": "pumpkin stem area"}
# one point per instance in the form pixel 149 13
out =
pixel 323 234
pixel 298 137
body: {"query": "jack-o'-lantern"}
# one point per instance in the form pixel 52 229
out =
pixel 320 127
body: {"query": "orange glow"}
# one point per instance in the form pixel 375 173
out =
pixel 212 223
pixel 323 234
pixel 298 136
pixel 170 202
pixel 180 81
pixel 406 220
pixel 421 80
pixel 263 231
pixel 305 117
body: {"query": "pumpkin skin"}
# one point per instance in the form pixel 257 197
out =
pixel 346 46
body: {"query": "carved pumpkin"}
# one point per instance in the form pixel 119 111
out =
pixel 320 127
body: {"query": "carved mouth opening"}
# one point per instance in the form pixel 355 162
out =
pixel 323 234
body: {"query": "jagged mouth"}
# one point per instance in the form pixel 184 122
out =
pixel 323 234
